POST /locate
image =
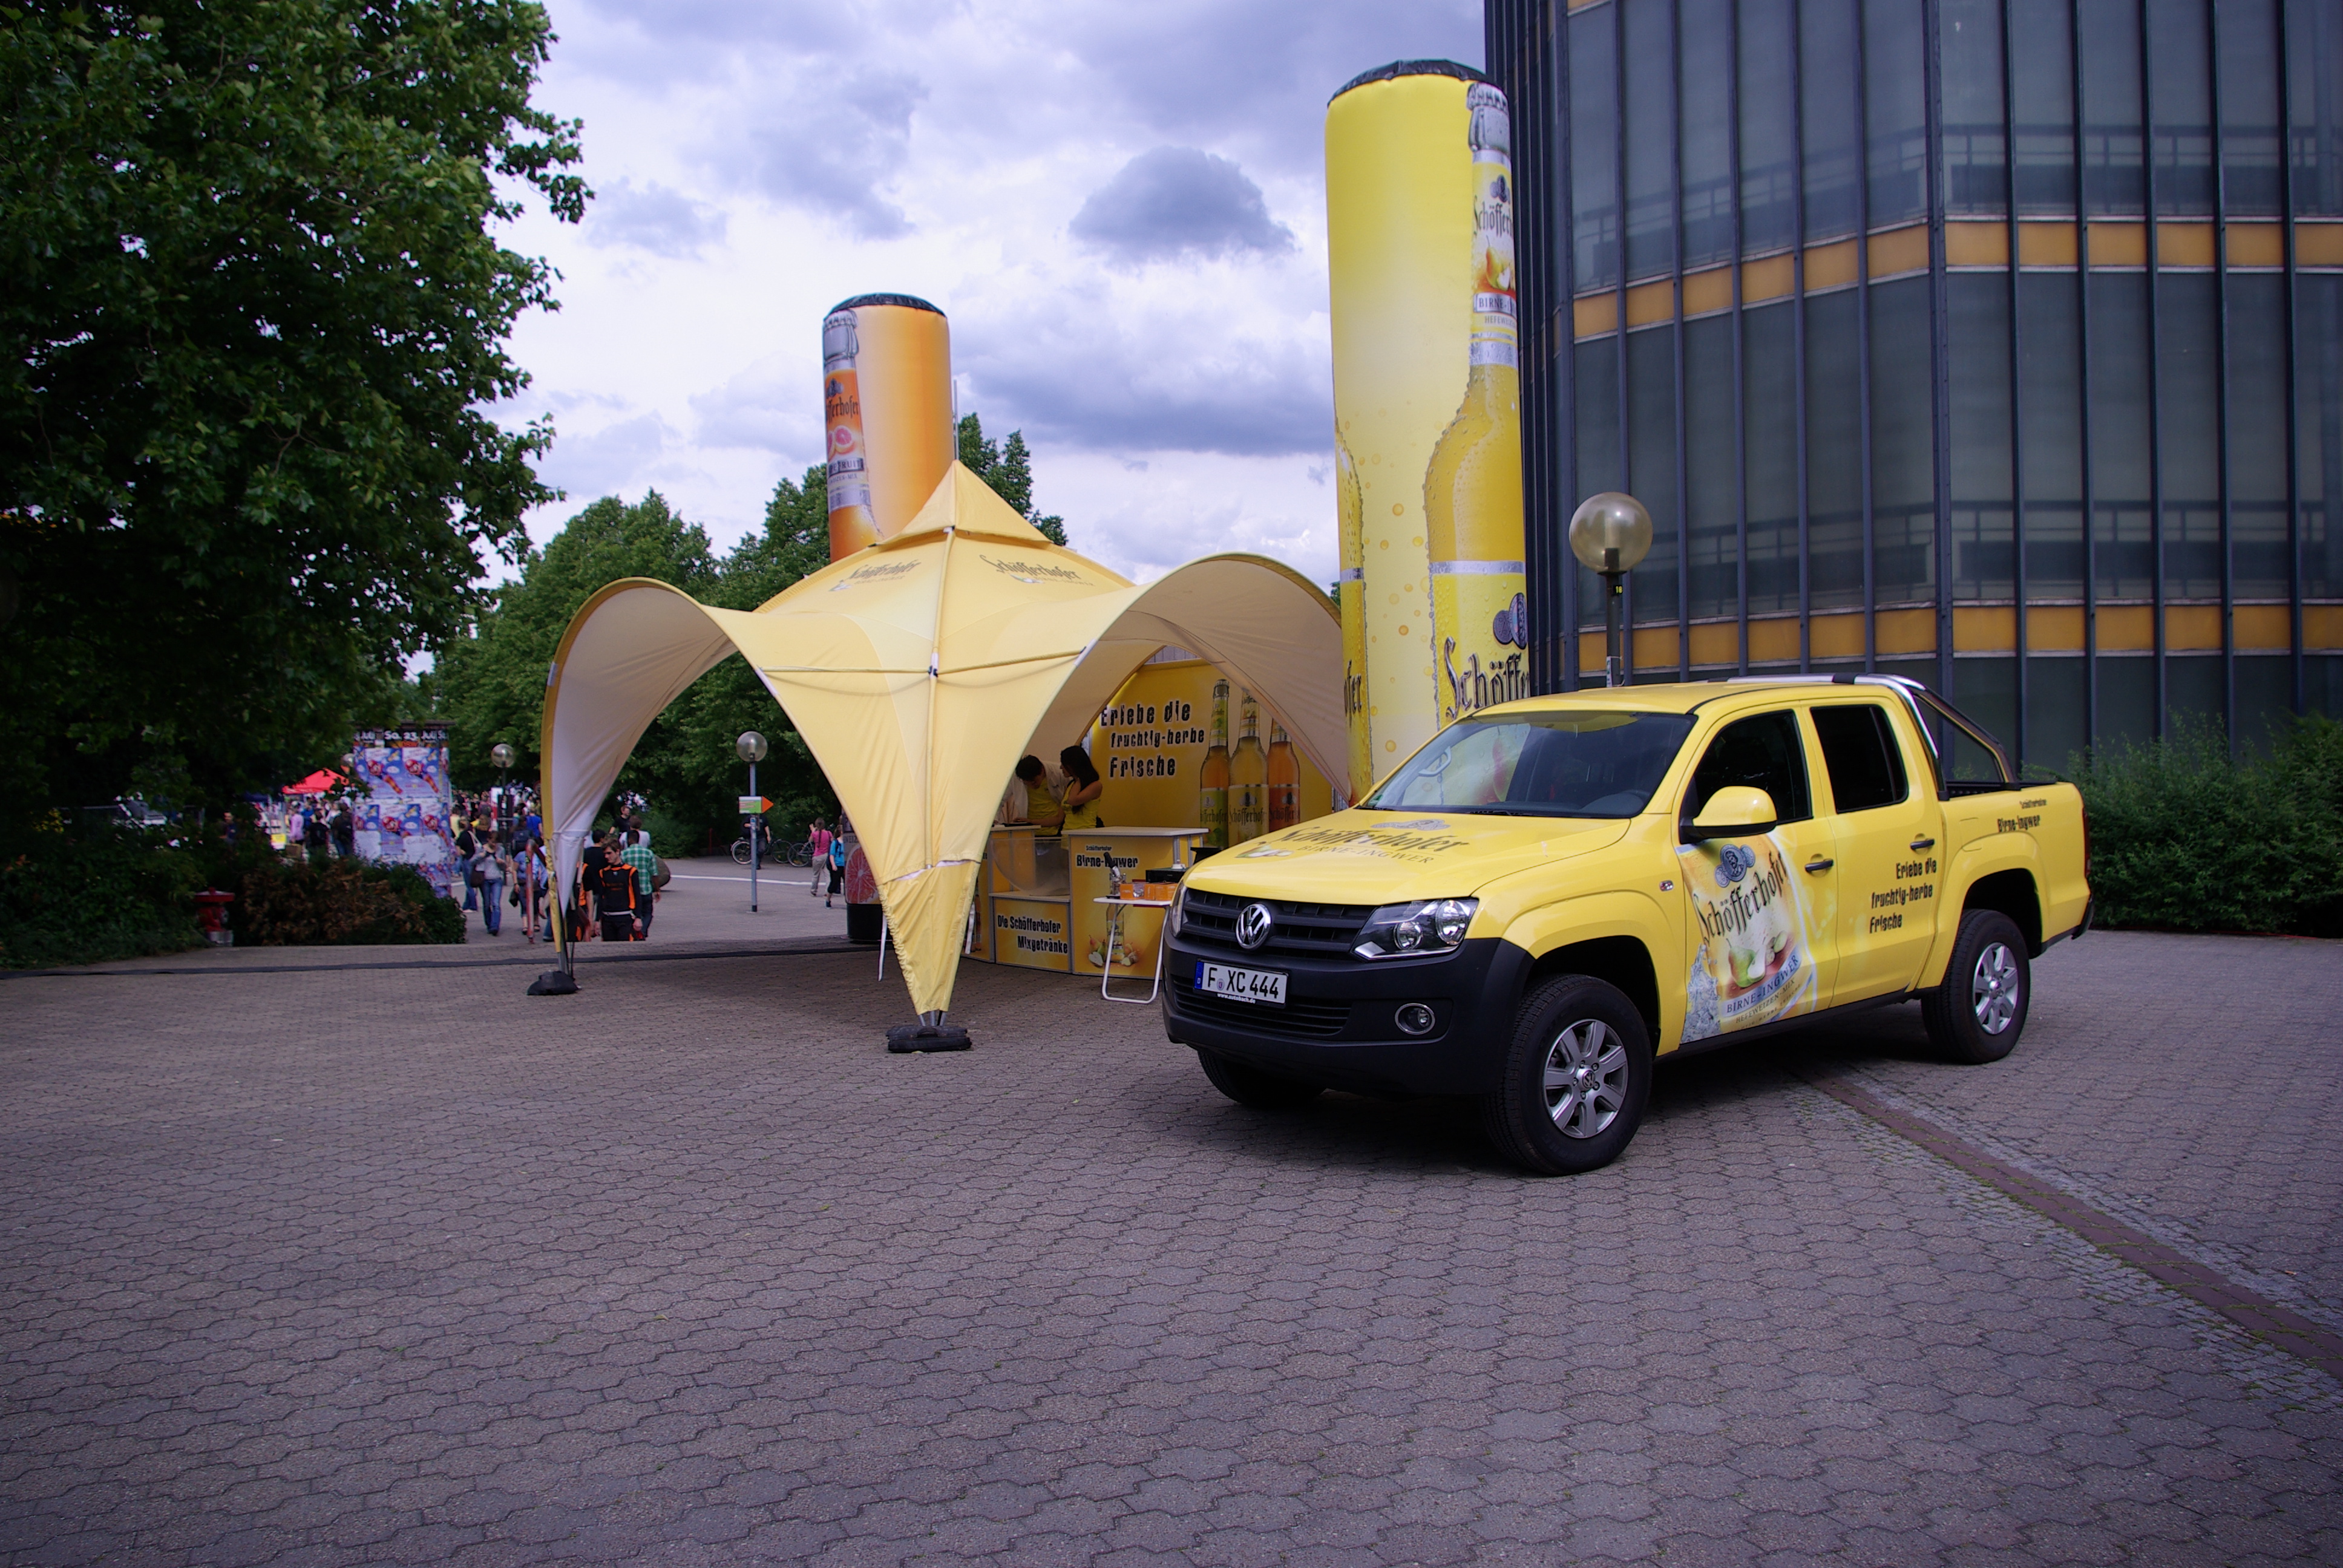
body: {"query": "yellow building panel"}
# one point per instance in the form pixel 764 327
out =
pixel 1770 277
pixel 2126 628
pixel 2045 244
pixel 2322 627
pixel 1899 250
pixel 1593 314
pixel 1773 641
pixel 1976 245
pixel 1903 631
pixel 1651 302
pixel 2262 627
pixel 1830 265
pixel 1714 643
pixel 2257 245
pixel 2116 242
pixel 2054 628
pixel 2184 244
pixel 1837 635
pixel 1707 291
pixel 1984 628
pixel 1657 647
pixel 2318 245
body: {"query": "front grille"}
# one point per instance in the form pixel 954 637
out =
pixel 1299 1019
pixel 1300 931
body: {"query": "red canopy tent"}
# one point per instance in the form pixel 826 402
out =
pixel 317 783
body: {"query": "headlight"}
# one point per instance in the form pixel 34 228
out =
pixel 1410 930
pixel 1172 916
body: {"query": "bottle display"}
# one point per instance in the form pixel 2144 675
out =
pixel 1247 779
pixel 1284 780
pixel 1473 485
pixel 1212 778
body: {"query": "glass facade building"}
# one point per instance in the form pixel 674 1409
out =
pixel 1995 342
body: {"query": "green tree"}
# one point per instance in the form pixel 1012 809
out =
pixel 491 684
pixel 1008 468
pixel 252 310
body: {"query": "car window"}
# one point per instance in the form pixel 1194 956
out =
pixel 1600 763
pixel 1762 751
pixel 1860 754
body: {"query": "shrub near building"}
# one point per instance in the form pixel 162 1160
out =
pixel 2185 838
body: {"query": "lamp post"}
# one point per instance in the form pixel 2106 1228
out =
pixel 502 755
pixel 751 748
pixel 1611 534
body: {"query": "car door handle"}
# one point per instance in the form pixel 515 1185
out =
pixel 1923 844
pixel 1820 865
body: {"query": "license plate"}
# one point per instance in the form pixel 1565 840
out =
pixel 1241 985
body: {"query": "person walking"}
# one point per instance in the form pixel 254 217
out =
pixel 837 859
pixel 467 845
pixel 345 831
pixel 495 869
pixel 317 838
pixel 818 841
pixel 637 853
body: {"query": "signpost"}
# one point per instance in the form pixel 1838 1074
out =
pixel 753 806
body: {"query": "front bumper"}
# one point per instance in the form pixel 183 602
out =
pixel 1337 1027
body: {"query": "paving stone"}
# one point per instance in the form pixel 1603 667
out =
pixel 356 1266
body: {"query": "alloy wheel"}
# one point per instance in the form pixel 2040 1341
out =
pixel 1994 988
pixel 1585 1079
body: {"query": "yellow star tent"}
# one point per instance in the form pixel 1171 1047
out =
pixel 919 671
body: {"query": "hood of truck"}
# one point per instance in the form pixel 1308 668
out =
pixel 1389 857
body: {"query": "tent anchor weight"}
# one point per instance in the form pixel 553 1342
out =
pixel 558 981
pixel 931 1033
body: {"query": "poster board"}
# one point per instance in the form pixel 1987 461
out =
pixel 403 808
pixel 1150 745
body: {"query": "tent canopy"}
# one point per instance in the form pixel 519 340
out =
pixel 919 669
pixel 317 783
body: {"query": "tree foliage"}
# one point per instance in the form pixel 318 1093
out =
pixel 252 311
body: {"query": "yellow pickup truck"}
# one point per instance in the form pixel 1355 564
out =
pixel 1554 892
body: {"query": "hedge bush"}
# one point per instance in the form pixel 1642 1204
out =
pixel 285 903
pixel 87 898
pixel 2185 838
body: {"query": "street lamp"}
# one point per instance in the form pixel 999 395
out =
pixel 751 748
pixel 502 755
pixel 1611 534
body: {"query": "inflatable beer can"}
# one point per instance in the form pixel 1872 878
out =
pixel 886 386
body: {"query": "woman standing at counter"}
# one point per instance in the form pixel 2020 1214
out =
pixel 1084 787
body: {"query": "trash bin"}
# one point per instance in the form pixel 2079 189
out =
pixel 863 920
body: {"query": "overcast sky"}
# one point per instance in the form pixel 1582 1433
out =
pixel 1121 206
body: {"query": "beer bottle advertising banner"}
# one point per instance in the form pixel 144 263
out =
pixel 1756 959
pixel 886 394
pixel 1419 205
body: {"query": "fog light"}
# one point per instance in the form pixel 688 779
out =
pixel 1414 1018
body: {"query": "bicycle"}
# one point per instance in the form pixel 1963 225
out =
pixel 774 855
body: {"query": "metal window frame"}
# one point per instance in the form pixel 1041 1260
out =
pixel 1939 339
pixel 2219 153
pixel 2297 675
pixel 1863 336
pixel 2083 385
pixel 1619 317
pixel 2155 358
pixel 1676 276
pixel 1798 324
pixel 2017 367
pixel 1740 367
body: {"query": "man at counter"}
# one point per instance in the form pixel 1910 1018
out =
pixel 1032 800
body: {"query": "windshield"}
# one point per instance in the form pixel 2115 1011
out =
pixel 1599 764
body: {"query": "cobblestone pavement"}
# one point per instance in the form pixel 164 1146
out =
pixel 399 1266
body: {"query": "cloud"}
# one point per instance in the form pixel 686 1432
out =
pixel 1096 374
pixel 774 407
pixel 608 461
pixel 831 147
pixel 1178 201
pixel 654 219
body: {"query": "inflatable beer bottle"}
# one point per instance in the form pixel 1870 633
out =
pixel 1249 781
pixel 1472 487
pixel 1212 778
pixel 1351 598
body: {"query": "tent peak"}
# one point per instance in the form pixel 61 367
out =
pixel 964 504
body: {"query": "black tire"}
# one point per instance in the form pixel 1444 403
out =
pixel 1251 1086
pixel 1977 1014
pixel 1581 1023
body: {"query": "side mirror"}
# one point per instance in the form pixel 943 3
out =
pixel 1735 811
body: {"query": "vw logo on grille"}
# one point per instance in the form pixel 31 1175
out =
pixel 1253 926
